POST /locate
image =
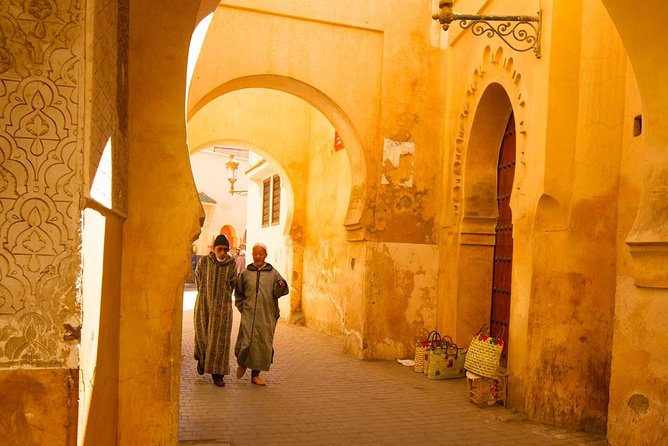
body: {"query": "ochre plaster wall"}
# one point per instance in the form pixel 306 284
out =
pixel 99 349
pixel 569 110
pixel 400 279
pixel 163 220
pixel 327 265
pixel 39 407
pixel 638 399
pixel 572 301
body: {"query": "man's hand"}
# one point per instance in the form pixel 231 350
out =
pixel 281 283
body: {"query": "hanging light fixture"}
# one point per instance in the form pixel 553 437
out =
pixel 232 165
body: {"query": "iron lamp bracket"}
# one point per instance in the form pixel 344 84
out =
pixel 519 32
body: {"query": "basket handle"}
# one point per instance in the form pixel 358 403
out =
pixel 483 328
pixel 433 336
pixel 449 346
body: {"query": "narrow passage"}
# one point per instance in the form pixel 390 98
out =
pixel 318 396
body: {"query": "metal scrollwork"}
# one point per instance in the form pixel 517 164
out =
pixel 521 36
pixel 521 33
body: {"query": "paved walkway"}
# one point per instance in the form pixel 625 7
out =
pixel 318 396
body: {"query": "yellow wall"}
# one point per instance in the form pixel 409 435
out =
pixel 569 108
pixel 163 220
pixel 324 305
pixel 99 349
pixel 638 399
pixel 572 300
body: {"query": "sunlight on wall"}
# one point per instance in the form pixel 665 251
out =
pixel 100 190
pixel 189 298
pixel 92 254
pixel 196 42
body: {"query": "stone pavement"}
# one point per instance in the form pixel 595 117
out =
pixel 318 396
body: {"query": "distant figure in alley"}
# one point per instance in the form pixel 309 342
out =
pixel 257 291
pixel 241 261
pixel 215 276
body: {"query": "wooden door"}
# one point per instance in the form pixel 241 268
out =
pixel 503 248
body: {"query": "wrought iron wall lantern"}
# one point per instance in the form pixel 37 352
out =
pixel 231 165
pixel 520 32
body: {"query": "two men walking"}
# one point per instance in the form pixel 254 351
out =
pixel 257 290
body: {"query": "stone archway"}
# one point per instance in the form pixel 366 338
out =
pixel 331 111
pixel 251 118
pixel 496 90
pixel 479 210
pixel 291 243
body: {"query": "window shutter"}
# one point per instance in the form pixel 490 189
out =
pixel 276 200
pixel 266 201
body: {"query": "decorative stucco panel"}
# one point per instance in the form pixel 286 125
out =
pixel 40 180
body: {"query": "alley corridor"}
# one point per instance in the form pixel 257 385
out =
pixel 318 396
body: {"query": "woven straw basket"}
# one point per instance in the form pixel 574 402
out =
pixel 422 350
pixel 483 355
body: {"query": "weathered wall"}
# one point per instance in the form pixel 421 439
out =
pixel 569 110
pixel 635 398
pixel 638 398
pixel 41 155
pixel 39 407
pixel 324 305
pixel 163 220
pixel 572 300
pixel 99 349
pixel 401 280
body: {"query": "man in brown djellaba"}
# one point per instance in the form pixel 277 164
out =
pixel 215 276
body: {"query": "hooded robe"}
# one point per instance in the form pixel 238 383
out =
pixel 257 292
pixel 213 312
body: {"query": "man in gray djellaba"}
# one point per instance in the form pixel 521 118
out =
pixel 215 276
pixel 256 296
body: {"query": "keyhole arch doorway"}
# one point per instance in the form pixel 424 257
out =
pixel 485 246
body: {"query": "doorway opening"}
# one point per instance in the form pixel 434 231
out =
pixel 503 246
